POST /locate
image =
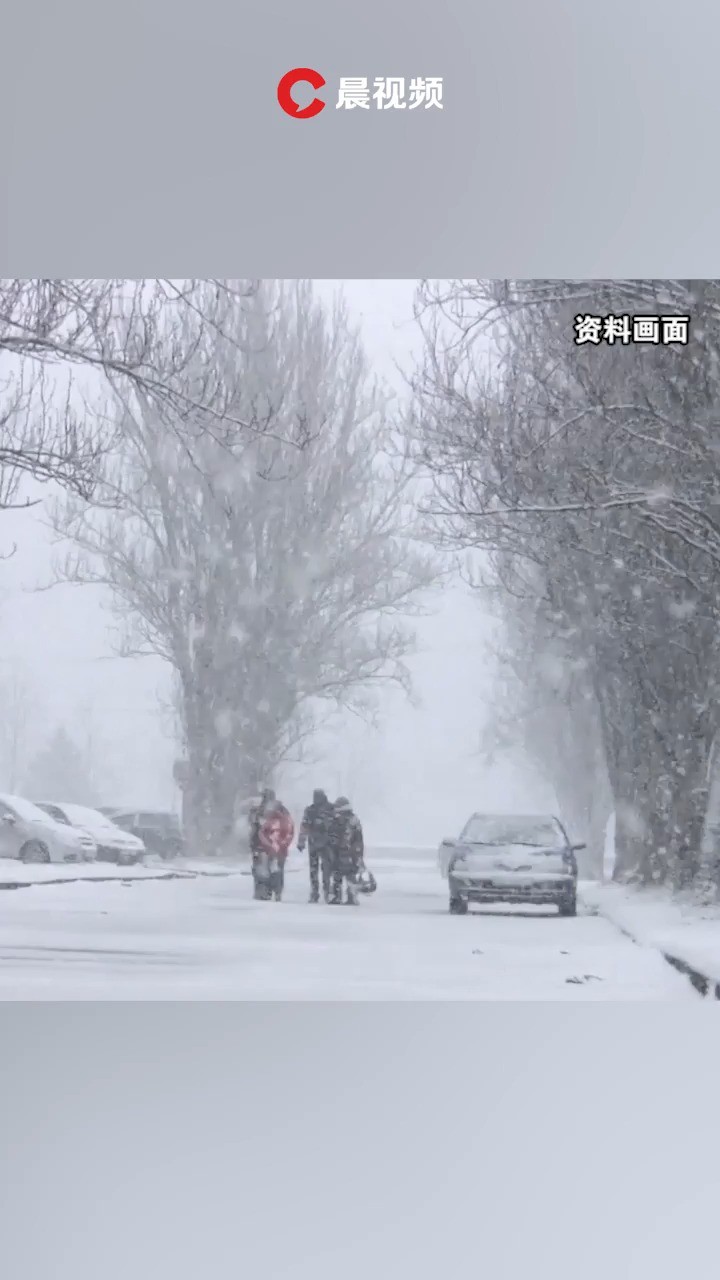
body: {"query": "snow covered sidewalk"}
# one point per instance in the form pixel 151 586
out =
pixel 19 875
pixel 686 933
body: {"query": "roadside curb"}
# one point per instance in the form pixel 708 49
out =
pixel 178 874
pixel 706 986
pixel 120 879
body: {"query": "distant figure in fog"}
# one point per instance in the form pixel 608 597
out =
pixel 315 831
pixel 348 852
pixel 271 834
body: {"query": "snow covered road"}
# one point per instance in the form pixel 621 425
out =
pixel 205 939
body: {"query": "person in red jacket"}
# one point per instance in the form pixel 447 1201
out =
pixel 275 834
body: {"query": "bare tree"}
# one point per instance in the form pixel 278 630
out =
pixel 272 578
pixel 590 477
pixel 73 353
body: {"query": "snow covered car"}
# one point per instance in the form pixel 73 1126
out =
pixel 511 858
pixel 33 835
pixel 160 832
pixel 112 844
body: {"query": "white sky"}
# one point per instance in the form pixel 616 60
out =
pixel 416 779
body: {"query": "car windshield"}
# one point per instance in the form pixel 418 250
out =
pixel 55 813
pixel 25 809
pixel 537 832
pixel 82 817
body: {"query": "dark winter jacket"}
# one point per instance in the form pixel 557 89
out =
pixel 255 820
pixel 316 824
pixel 346 838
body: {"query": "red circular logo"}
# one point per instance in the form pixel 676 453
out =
pixel 300 75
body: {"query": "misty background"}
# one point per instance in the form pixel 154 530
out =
pixel 414 776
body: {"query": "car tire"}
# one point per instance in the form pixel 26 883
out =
pixel 458 907
pixel 568 906
pixel 35 851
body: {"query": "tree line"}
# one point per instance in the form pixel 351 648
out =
pixel 587 478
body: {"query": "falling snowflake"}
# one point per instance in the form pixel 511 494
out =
pixel 681 608
pixel 662 493
pixel 224 723
pixel 632 821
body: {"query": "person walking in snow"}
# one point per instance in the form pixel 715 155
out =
pixel 315 832
pixel 271 833
pixel 348 852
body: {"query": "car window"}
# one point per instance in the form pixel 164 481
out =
pixel 542 832
pixel 124 820
pixel 81 815
pixel 159 821
pixel 55 813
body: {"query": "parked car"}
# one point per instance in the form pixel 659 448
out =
pixel 511 858
pixel 160 832
pixel 113 844
pixel 33 835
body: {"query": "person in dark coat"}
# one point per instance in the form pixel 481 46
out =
pixel 348 852
pixel 315 830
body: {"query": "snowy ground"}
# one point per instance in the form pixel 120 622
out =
pixel 677 926
pixel 205 939
pixel 16 874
